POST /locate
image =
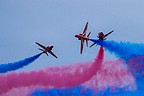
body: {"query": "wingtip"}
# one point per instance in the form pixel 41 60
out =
pixel 56 57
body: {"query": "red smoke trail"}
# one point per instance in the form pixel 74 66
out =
pixel 66 76
pixel 21 91
pixel 112 74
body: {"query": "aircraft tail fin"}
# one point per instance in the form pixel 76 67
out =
pixel 43 51
pixel 88 37
pixel 88 34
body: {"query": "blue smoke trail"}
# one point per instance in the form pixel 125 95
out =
pixel 16 65
pixel 133 53
pixel 75 91
pixel 128 51
pixel 123 50
pixel 122 92
pixel 136 66
pixel 82 91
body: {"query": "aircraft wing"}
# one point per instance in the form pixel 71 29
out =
pixel 40 45
pixel 81 47
pixel 84 32
pixel 53 54
pixel 93 44
pixel 108 33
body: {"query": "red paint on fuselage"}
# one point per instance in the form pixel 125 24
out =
pixel 81 36
pixel 49 48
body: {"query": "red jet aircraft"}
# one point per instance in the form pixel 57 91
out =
pixel 83 37
pixel 102 36
pixel 46 49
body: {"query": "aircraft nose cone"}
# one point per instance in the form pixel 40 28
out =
pixel 76 35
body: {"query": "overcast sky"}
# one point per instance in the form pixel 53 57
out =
pixel 23 22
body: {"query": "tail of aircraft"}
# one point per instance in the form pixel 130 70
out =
pixel 43 51
pixel 88 37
